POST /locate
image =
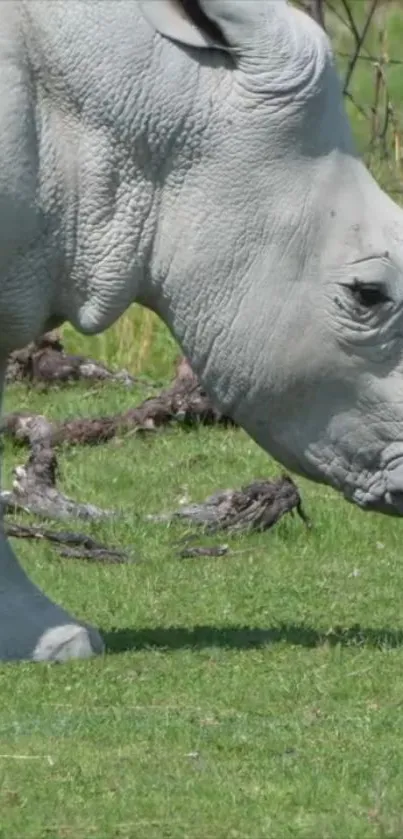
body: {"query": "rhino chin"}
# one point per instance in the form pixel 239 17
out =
pixel 394 485
pixel 395 500
pixel 389 504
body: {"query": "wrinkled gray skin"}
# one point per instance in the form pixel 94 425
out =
pixel 219 187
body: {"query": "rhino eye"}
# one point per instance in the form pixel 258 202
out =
pixel 368 295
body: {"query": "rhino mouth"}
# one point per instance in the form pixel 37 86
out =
pixel 387 497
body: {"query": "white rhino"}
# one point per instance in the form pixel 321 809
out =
pixel 195 156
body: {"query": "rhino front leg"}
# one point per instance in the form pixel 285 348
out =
pixel 32 627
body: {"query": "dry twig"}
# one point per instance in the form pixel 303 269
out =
pixel 69 544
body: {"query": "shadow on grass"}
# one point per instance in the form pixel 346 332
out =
pixel 244 637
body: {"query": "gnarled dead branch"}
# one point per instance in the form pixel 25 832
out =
pixel 184 401
pixel 257 506
pixel 35 491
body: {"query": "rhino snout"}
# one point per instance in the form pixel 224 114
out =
pixel 384 492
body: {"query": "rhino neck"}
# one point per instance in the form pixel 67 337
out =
pixel 220 277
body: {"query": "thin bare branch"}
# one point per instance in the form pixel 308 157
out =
pixel 351 21
pixel 359 43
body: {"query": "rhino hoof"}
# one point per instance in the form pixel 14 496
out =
pixel 61 643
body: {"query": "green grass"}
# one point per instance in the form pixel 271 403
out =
pixel 254 695
pixel 138 342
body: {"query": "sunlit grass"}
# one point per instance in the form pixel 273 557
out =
pixel 138 342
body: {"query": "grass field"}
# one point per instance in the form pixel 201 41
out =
pixel 253 696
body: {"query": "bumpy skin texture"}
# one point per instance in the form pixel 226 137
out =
pixel 220 187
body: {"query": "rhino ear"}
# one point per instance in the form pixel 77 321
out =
pixel 184 21
pixel 236 26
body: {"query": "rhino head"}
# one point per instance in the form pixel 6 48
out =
pixel 285 285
